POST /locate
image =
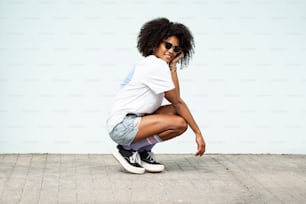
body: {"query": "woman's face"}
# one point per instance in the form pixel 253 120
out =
pixel 168 49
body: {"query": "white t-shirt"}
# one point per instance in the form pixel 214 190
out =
pixel 142 92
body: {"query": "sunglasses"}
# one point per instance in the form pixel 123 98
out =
pixel 168 46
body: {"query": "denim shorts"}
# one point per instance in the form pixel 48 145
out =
pixel 125 132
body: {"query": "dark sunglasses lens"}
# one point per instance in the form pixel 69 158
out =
pixel 168 45
pixel 176 49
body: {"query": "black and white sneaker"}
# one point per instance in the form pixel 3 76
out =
pixel 129 159
pixel 148 162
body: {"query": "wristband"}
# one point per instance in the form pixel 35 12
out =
pixel 172 69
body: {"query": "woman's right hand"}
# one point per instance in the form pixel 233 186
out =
pixel 176 58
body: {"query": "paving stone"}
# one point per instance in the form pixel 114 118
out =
pixel 83 178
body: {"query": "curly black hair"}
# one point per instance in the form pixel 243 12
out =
pixel 155 31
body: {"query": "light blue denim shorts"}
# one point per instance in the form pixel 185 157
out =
pixel 125 132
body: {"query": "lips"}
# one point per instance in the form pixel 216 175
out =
pixel 168 57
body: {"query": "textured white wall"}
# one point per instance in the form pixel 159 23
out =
pixel 62 61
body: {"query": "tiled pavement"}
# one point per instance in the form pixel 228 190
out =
pixel 98 178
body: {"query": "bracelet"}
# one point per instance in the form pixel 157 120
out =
pixel 173 69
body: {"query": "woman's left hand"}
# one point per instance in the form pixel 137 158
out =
pixel 201 145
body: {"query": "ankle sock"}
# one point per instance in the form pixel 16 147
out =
pixel 145 144
pixel 147 148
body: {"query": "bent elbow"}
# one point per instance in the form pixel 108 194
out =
pixel 178 103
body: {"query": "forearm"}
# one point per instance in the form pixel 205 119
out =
pixel 175 79
pixel 183 110
pixel 181 107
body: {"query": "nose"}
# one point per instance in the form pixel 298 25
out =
pixel 171 50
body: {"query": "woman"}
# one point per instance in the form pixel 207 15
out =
pixel 138 120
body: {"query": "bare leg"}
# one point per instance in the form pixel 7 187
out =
pixel 167 109
pixel 164 123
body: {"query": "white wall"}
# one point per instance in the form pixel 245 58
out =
pixel 62 61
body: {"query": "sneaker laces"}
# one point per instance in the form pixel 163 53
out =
pixel 150 157
pixel 135 158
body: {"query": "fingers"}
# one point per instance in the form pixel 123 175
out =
pixel 200 151
pixel 178 57
pixel 197 153
pixel 182 54
pixel 201 146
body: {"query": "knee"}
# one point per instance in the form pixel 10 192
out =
pixel 181 125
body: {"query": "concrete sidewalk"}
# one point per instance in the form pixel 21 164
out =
pixel 61 178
